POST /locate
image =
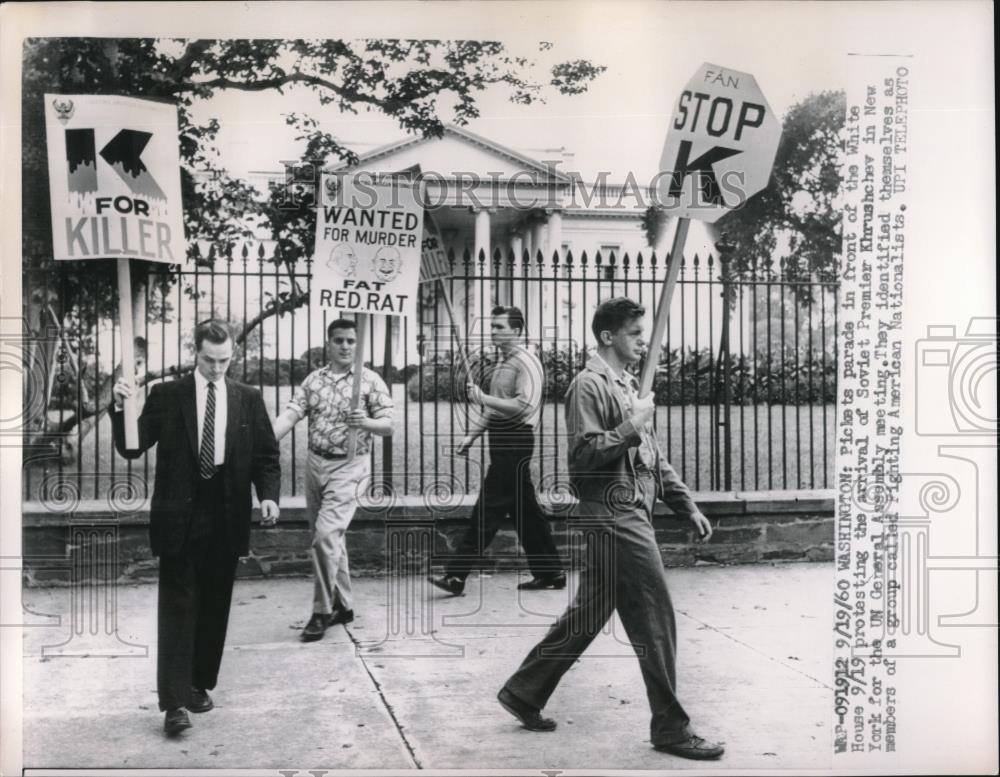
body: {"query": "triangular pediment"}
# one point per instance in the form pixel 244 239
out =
pixel 458 152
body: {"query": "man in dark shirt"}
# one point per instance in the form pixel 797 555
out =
pixel 511 410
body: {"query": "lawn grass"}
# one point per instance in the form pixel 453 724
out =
pixel 773 447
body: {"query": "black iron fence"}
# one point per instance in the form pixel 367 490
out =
pixel 745 387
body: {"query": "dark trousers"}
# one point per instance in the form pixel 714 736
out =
pixel 196 588
pixel 507 492
pixel 623 572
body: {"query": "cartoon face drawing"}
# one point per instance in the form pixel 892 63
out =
pixel 387 264
pixel 343 260
pixel 332 185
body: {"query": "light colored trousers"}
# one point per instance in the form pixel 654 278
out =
pixel 332 491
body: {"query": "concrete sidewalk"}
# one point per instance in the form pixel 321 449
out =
pixel 412 682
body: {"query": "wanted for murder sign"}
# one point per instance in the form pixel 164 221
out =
pixel 114 178
pixel 368 246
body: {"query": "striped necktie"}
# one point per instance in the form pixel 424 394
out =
pixel 206 456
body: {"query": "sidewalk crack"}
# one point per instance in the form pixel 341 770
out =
pixel 385 701
pixel 759 652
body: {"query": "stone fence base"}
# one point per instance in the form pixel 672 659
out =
pixel 414 537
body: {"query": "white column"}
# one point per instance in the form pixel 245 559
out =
pixel 555 233
pixel 482 234
pixel 538 242
pixel 552 293
pixel 535 298
pixel 517 248
pixel 479 325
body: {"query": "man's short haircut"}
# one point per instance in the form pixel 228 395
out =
pixel 213 330
pixel 515 318
pixel 341 323
pixel 612 314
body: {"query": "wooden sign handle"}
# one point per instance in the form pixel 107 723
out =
pixel 359 365
pixel 663 309
pixel 128 353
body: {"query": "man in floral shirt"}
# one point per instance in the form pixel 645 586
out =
pixel 333 482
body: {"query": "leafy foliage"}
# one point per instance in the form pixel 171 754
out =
pixel 418 83
pixel 796 216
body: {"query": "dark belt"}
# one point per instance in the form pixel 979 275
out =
pixel 328 456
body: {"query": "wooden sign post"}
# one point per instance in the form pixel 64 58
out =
pixel 359 365
pixel 131 405
pixel 663 309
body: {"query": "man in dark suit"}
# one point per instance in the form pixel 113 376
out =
pixel 214 439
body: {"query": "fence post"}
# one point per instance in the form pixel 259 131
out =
pixel 725 249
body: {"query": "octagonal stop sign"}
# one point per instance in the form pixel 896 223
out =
pixel 720 145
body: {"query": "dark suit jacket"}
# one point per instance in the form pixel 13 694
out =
pixel 170 420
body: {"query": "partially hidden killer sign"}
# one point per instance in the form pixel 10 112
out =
pixel 369 237
pixel 720 145
pixel 434 262
pixel 114 178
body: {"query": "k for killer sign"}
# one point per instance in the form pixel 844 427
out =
pixel 368 246
pixel 720 145
pixel 114 178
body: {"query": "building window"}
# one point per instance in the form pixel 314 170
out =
pixel 606 250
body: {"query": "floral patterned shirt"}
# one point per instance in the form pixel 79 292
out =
pixel 325 397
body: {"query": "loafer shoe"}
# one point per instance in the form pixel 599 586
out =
pixel 529 716
pixel 316 627
pixel 341 616
pixel 200 701
pixel 558 582
pixel 453 585
pixel 175 721
pixel 693 747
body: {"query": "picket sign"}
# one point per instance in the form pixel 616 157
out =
pixel 115 192
pixel 368 232
pixel 718 152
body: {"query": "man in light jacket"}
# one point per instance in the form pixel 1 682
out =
pixel 618 471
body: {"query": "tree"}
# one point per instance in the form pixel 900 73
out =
pixel 418 83
pixel 796 217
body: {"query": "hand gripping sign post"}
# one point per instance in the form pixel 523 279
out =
pixel 719 151
pixel 115 192
pixel 368 236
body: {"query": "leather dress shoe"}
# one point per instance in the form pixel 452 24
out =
pixel 200 701
pixel 449 583
pixel 175 721
pixel 316 627
pixel 529 716
pixel 340 616
pixel 693 747
pixel 558 582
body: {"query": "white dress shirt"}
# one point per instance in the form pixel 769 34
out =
pixel 221 406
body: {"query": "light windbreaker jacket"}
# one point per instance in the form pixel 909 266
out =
pixel 603 444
